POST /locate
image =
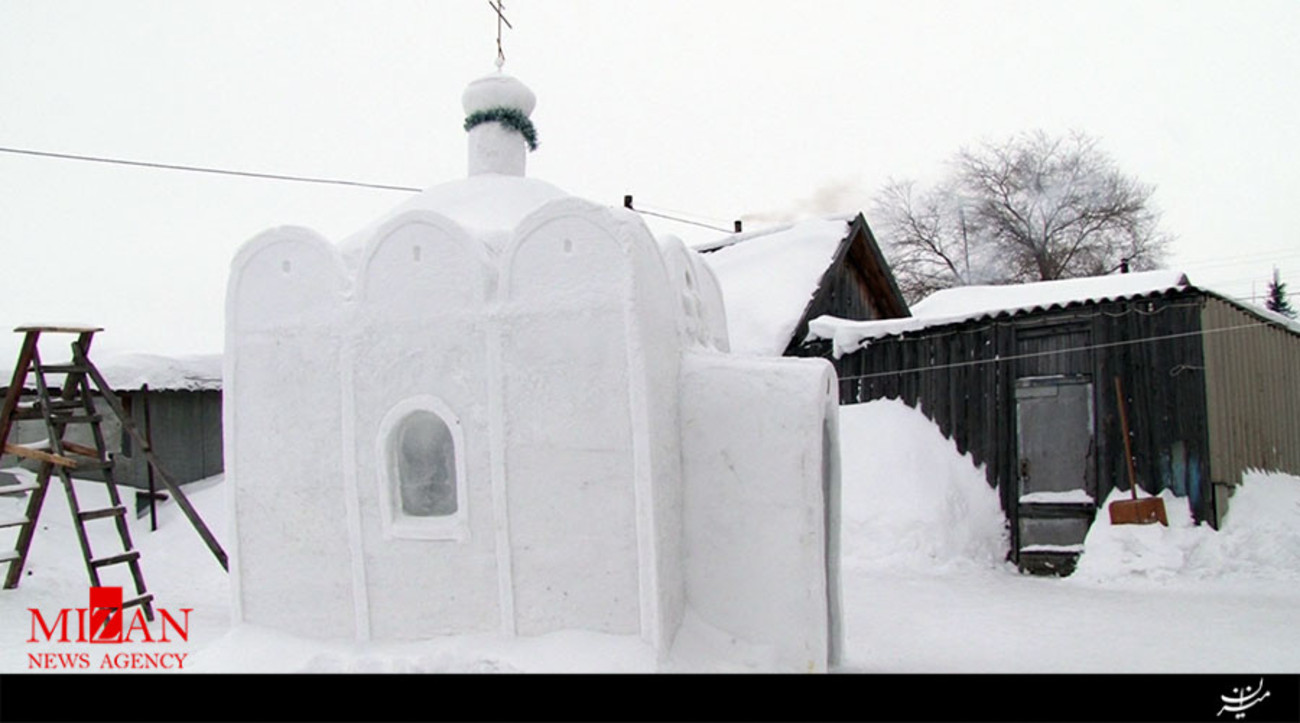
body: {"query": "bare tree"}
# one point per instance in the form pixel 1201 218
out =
pixel 1031 208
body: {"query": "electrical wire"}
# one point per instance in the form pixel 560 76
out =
pixel 205 169
pixel 682 220
pixel 1033 355
pixel 281 177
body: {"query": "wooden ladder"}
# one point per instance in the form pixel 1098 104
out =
pixel 60 408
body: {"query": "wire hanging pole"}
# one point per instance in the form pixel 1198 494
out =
pixel 500 7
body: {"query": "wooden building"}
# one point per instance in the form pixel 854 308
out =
pixel 175 401
pixel 1024 379
pixel 775 281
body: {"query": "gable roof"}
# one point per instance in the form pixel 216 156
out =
pixel 771 280
pixel 978 303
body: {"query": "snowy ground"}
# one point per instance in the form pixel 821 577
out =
pixel 926 590
pixel 925 585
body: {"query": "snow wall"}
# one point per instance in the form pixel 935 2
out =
pixel 762 514
pixel 552 366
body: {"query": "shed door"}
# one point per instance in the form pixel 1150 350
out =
pixel 1057 483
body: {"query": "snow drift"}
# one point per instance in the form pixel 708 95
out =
pixel 909 499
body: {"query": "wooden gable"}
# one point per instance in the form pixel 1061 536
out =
pixel 857 285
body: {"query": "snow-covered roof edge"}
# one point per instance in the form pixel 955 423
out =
pixel 849 336
pixel 769 282
pixel 855 246
pixel 188 373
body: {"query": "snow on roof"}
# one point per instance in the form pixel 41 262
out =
pixel 969 303
pixel 198 372
pixel 977 301
pixel 768 278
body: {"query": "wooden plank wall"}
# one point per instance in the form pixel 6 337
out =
pixel 187 435
pixel 963 378
pixel 842 292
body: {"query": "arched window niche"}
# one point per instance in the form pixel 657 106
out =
pixel 422 472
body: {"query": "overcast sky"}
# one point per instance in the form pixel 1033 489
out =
pixel 720 110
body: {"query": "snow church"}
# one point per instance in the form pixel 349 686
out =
pixel 502 409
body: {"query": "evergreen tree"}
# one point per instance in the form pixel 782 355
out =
pixel 1277 297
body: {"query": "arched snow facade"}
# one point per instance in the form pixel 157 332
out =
pixel 520 422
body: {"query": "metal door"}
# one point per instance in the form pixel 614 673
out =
pixel 1056 472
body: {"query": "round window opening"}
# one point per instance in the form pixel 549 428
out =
pixel 426 466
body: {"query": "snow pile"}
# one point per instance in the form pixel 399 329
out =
pixel 1260 538
pixel 768 278
pixel 910 501
pixel 256 649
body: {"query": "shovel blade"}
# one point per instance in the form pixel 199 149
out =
pixel 1145 511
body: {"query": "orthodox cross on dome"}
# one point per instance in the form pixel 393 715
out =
pixel 500 7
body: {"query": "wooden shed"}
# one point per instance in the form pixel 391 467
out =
pixel 175 400
pixel 776 280
pixel 1023 378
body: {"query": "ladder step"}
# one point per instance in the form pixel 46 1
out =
pixel 77 418
pixel 34 410
pixel 80 449
pixel 17 521
pixel 90 465
pixel 21 488
pixel 145 598
pixel 8 556
pixel 28 412
pixel 64 369
pixel 100 514
pixel 129 556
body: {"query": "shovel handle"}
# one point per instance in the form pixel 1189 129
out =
pixel 1128 449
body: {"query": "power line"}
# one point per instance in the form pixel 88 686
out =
pixel 205 169
pixel 682 220
pixel 687 215
pixel 1032 355
pixel 280 177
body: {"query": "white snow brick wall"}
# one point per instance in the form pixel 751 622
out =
pixel 418 339
pixel 283 431
pixel 756 503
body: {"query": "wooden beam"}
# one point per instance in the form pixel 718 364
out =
pixel 29 453
pixel 81 449
pixel 16 385
pixel 59 328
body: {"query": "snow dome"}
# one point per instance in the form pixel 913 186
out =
pixel 503 409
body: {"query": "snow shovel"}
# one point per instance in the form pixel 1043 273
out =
pixel 1136 511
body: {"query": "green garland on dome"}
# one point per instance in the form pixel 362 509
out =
pixel 509 117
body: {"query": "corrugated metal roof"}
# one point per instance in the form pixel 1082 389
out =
pixel 977 303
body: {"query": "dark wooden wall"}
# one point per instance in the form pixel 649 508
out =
pixel 186 432
pixel 962 376
pixel 843 292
